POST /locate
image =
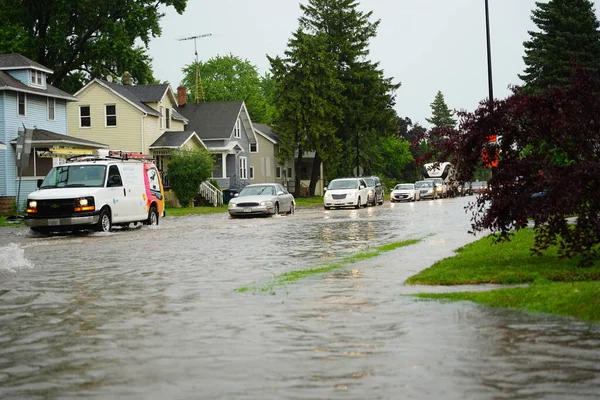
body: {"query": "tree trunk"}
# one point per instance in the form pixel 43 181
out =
pixel 315 174
pixel 297 191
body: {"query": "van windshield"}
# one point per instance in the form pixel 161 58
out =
pixel 343 184
pixel 75 176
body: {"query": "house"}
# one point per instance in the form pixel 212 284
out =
pixel 29 104
pixel 264 165
pixel 226 130
pixel 139 118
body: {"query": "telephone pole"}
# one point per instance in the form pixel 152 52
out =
pixel 197 79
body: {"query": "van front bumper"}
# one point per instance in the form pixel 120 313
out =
pixel 65 221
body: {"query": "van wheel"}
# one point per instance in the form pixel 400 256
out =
pixel 104 223
pixel 152 217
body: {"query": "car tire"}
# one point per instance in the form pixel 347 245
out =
pixel 276 210
pixel 292 209
pixel 327 208
pixel 104 222
pixel 152 217
pixel 357 206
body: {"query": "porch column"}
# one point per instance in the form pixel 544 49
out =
pixel 224 165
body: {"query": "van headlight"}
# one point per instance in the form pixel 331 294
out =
pixel 84 204
pixel 31 207
pixel 32 204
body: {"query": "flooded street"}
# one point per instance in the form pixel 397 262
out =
pixel 152 313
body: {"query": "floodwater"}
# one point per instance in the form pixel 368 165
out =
pixel 152 313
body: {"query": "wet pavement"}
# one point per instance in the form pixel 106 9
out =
pixel 152 313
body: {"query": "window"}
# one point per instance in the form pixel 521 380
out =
pixel 237 130
pixel 243 168
pixel 251 172
pixel 253 147
pixel 111 115
pixel 278 172
pixel 112 172
pixel 51 109
pixel 289 175
pixel 36 78
pixel 168 120
pixel 85 118
pixel 38 166
pixel 22 103
pixel 162 115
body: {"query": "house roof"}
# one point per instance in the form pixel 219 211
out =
pixel 178 116
pixel 125 92
pixel 149 93
pixel 212 120
pixel 266 131
pixel 7 82
pixel 42 137
pixel 18 61
pixel 175 140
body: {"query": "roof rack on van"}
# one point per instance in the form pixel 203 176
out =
pixel 129 155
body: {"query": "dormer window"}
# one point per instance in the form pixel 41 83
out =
pixel 36 78
pixel 237 130
pixel 168 118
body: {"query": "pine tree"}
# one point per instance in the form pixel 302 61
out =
pixel 568 33
pixel 441 115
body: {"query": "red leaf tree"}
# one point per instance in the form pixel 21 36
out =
pixel 549 165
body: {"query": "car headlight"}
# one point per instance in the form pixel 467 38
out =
pixel 351 194
pixel 371 192
pixel 231 205
pixel 266 203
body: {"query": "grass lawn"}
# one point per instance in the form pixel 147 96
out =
pixel 4 222
pixel 178 212
pixel 556 286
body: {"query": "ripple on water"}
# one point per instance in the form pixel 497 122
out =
pixel 12 259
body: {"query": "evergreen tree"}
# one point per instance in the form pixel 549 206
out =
pixel 568 33
pixel 368 96
pixel 441 115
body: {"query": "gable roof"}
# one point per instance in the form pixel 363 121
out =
pixel 124 92
pixel 151 93
pixel 212 120
pixel 7 82
pixel 18 61
pixel 43 137
pixel 266 131
pixel 174 140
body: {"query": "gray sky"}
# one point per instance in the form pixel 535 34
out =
pixel 426 45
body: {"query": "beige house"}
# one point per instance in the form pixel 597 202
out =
pixel 129 118
pixel 264 167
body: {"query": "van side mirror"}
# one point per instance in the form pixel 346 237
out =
pixel 39 183
pixel 114 180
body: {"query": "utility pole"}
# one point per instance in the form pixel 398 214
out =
pixel 197 80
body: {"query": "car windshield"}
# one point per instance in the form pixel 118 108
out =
pixel 75 176
pixel 343 184
pixel 370 182
pixel 405 186
pixel 259 190
pixel 423 184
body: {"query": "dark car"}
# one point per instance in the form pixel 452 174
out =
pixel 375 190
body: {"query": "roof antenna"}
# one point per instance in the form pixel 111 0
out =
pixel 197 80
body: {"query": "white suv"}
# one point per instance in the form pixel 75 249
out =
pixel 346 192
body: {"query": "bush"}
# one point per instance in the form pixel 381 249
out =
pixel 187 169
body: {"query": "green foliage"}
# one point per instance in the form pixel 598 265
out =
pixel 441 115
pixel 228 78
pixel 395 157
pixel 187 169
pixel 81 40
pixel 568 32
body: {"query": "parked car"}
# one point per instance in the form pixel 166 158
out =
pixel 262 199
pixel 405 192
pixel 427 189
pixel 375 196
pixel 479 187
pixel 465 189
pixel 346 192
pixel 441 187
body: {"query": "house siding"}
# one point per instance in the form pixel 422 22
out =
pixel 264 162
pixel 36 116
pixel 22 75
pixel 125 136
pixel 3 153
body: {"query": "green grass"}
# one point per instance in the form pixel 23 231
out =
pixel 556 286
pixel 178 212
pixel 504 263
pixel 575 299
pixel 4 222
pixel 293 276
pixel 309 201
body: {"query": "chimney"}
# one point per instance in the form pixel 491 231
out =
pixel 181 96
pixel 126 79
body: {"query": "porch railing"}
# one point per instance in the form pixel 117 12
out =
pixel 211 193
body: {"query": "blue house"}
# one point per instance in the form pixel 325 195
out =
pixel 27 101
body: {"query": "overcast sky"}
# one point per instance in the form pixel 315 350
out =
pixel 426 45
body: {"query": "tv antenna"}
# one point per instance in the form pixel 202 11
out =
pixel 197 80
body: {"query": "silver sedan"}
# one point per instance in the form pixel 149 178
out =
pixel 262 199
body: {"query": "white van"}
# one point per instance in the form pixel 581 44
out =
pixel 97 192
